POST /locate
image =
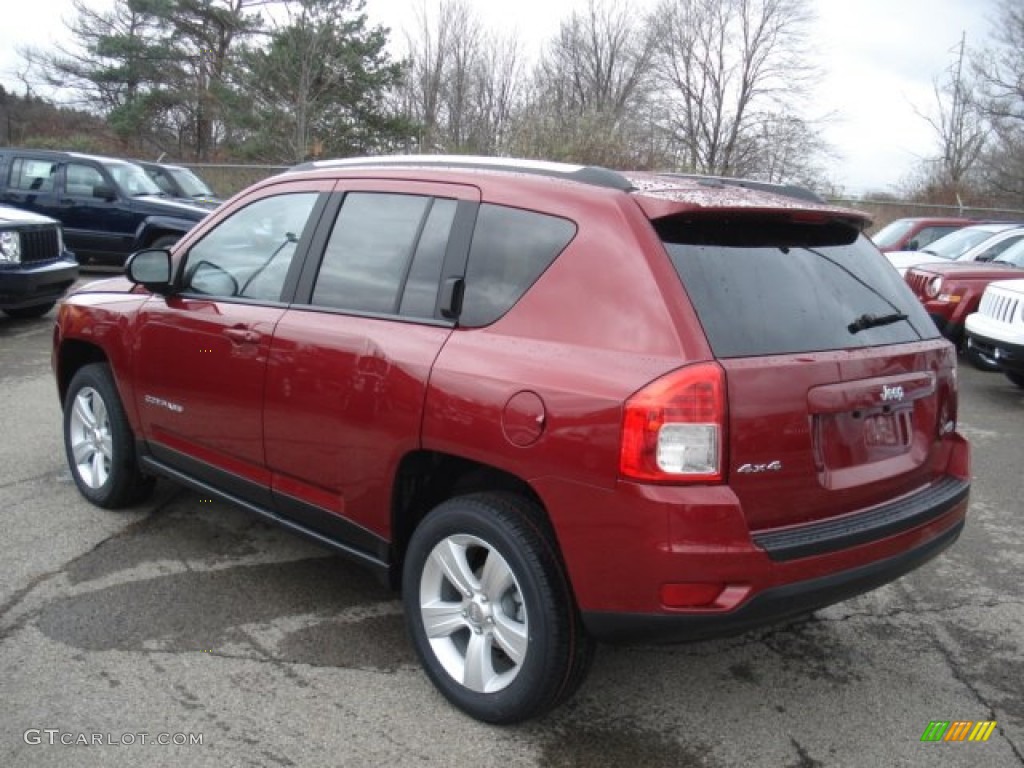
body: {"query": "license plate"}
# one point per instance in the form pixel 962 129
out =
pixel 887 430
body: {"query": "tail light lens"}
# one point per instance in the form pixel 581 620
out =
pixel 674 428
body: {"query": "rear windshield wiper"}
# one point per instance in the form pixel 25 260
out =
pixel 866 321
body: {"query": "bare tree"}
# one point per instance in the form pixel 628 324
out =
pixel 589 96
pixel 960 128
pixel 462 81
pixel 725 68
pixel 999 72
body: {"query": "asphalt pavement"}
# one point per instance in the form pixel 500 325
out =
pixel 189 622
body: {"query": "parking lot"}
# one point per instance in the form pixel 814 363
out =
pixel 186 620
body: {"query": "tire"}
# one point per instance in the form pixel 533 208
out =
pixel 507 642
pixel 165 241
pixel 99 443
pixel 25 313
pixel 1016 378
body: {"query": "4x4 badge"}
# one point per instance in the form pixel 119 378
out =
pixel 891 393
pixel 771 466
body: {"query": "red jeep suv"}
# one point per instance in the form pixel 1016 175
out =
pixel 550 403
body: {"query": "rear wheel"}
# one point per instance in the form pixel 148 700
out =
pixel 489 609
pixel 23 313
pixel 1016 378
pixel 99 443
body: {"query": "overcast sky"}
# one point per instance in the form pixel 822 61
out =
pixel 880 58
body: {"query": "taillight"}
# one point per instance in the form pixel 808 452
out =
pixel 674 428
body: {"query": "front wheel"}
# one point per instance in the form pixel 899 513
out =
pixel 490 611
pixel 99 443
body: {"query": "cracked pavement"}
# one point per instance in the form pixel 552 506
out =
pixel 185 616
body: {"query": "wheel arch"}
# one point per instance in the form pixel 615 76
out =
pixel 73 355
pixel 424 479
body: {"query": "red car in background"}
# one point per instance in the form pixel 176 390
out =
pixel 952 291
pixel 913 234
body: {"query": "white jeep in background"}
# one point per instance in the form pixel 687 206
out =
pixel 995 332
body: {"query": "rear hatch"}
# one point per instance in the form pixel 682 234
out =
pixel 838 381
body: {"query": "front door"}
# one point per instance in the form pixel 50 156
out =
pixel 202 352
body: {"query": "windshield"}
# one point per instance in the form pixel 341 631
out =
pixel 892 233
pixel 1013 255
pixel 132 179
pixel 957 243
pixel 190 184
pixel 797 296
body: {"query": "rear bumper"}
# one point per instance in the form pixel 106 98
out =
pixel 671 564
pixel 771 605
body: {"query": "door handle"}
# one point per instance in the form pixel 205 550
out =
pixel 242 335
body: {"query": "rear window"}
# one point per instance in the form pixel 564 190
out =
pixel 767 288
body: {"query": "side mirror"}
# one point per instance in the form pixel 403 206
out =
pixel 151 269
pixel 104 192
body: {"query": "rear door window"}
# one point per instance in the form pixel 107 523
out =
pixel 385 253
pixel 763 287
pixel 30 175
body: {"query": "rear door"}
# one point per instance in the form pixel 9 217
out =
pixel 350 360
pixel 838 381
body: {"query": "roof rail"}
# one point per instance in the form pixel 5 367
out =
pixel 787 190
pixel 585 174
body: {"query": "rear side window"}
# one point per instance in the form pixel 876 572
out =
pixel 511 249
pixel 768 288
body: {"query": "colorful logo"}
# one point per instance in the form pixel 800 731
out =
pixel 958 730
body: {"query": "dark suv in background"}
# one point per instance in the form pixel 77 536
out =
pixel 550 403
pixel 181 183
pixel 109 208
